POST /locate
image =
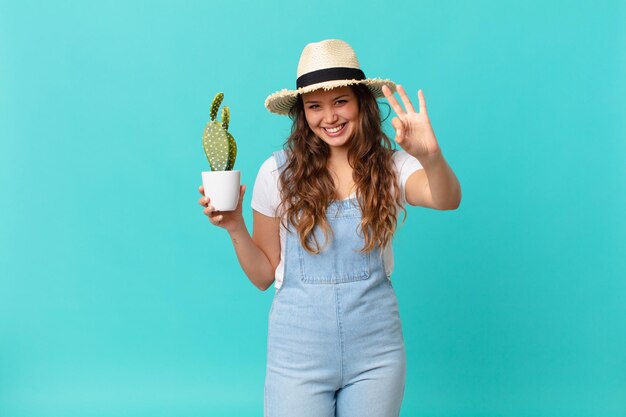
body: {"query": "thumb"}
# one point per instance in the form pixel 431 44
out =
pixel 399 128
pixel 242 191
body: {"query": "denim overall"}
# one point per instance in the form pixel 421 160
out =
pixel 335 345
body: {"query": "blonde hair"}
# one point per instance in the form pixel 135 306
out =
pixel 307 187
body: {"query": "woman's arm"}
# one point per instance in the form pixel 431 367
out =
pixel 258 255
pixel 435 186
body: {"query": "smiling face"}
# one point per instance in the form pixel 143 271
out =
pixel 332 114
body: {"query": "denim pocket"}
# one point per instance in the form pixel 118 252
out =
pixel 341 259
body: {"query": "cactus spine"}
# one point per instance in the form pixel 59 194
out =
pixel 219 145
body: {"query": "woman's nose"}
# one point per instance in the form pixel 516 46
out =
pixel 330 116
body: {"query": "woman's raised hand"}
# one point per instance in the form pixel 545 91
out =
pixel 414 132
pixel 229 220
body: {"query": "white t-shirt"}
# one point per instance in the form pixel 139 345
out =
pixel 266 198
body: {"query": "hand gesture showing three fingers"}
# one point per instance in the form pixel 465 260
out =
pixel 414 132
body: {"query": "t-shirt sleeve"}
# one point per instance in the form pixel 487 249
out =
pixel 406 165
pixel 265 195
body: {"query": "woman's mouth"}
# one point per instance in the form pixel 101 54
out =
pixel 335 131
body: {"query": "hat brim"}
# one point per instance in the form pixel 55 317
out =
pixel 282 101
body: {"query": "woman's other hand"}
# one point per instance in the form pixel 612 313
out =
pixel 229 220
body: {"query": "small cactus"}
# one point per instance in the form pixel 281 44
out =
pixel 219 145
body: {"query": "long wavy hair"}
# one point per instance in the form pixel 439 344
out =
pixel 307 187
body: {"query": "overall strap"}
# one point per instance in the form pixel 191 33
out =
pixel 281 158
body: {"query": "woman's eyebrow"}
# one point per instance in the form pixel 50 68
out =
pixel 315 101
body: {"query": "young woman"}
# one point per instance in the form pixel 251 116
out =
pixel 325 209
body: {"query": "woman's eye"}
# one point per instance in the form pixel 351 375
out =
pixel 312 106
pixel 342 101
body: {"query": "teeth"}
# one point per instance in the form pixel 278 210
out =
pixel 335 129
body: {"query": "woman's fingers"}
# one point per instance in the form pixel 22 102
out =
pixel 396 122
pixel 399 127
pixel 392 101
pixel 405 99
pixel 203 201
pixel 242 191
pixel 214 216
pixel 216 219
pixel 422 101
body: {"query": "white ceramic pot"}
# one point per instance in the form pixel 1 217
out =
pixel 222 187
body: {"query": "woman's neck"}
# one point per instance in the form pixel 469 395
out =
pixel 338 158
pixel 341 173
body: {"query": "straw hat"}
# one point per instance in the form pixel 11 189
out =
pixel 326 64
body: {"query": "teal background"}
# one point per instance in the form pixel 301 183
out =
pixel 118 297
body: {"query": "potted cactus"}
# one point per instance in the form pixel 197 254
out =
pixel 221 184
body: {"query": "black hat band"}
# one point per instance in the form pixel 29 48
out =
pixel 329 74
